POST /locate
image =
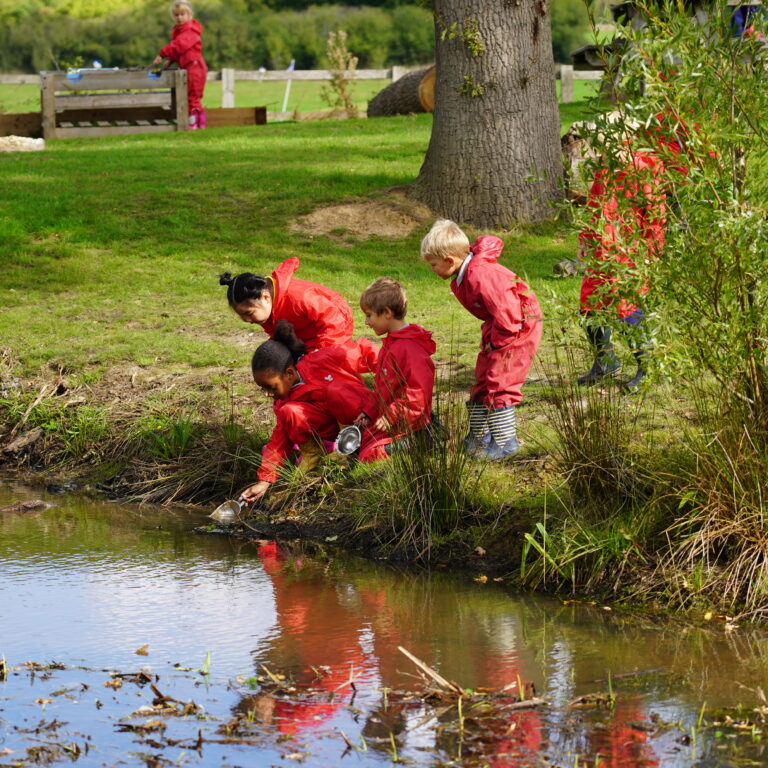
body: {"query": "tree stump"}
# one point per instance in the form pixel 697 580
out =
pixel 411 94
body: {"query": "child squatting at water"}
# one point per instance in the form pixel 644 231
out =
pixel 298 382
pixel 401 402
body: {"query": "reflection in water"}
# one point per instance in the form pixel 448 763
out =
pixel 89 583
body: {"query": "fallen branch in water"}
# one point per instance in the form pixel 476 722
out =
pixel 427 670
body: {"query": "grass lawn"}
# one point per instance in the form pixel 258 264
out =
pixel 111 247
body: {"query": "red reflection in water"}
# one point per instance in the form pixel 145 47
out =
pixel 620 744
pixel 323 622
pixel 315 630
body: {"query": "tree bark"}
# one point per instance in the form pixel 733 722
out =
pixel 494 155
pixel 408 95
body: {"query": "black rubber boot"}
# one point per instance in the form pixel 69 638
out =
pixel 641 346
pixel 632 387
pixel 606 363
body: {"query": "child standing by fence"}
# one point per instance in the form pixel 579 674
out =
pixel 186 49
pixel 510 333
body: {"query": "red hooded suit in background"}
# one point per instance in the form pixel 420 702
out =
pixel 186 49
pixel 621 236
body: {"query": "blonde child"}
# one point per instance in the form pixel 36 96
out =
pixel 510 333
pixel 186 49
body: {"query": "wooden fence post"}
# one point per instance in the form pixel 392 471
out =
pixel 48 104
pixel 566 83
pixel 227 87
pixel 398 72
pixel 179 99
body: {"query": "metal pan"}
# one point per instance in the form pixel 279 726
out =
pixel 228 512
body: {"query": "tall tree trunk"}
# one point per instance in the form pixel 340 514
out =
pixel 494 156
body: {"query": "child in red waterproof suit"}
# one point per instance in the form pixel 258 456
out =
pixel 186 49
pixel 620 236
pixel 510 333
pixel 320 316
pixel 298 382
pixel 401 403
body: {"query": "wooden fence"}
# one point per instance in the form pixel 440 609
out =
pixel 229 77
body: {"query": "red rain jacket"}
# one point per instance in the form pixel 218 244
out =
pixel 405 378
pixel 495 294
pixel 320 316
pixel 511 328
pixel 185 47
pixel 619 235
pixel 306 413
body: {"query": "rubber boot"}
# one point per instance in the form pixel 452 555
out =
pixel 503 427
pixel 606 363
pixel 632 387
pixel 193 120
pixel 202 120
pixel 641 346
pixel 311 453
pixel 479 435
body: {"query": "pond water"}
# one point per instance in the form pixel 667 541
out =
pixel 86 584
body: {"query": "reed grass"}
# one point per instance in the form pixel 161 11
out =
pixel 429 489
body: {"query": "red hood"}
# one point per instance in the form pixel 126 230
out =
pixel 282 277
pixel 192 24
pixel 415 333
pixel 487 248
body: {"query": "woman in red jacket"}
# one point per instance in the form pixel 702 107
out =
pixel 186 49
pixel 321 317
pixel 298 382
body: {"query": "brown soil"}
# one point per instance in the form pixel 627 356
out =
pixel 392 215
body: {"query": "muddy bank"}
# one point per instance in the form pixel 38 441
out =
pixel 193 436
pixel 498 558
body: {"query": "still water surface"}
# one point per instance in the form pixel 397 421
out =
pixel 86 584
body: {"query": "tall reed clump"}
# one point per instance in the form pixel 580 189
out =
pixel 594 526
pixel 695 97
pixel 429 486
pixel 718 545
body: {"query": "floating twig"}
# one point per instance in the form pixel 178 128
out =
pixel 427 670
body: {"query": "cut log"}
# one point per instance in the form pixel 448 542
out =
pixel 411 94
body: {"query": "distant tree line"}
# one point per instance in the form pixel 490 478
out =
pixel 246 34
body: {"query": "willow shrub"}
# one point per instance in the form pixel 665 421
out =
pixel 695 96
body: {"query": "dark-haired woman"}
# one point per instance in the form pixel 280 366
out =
pixel 298 383
pixel 321 317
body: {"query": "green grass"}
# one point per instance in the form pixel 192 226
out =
pixel 111 247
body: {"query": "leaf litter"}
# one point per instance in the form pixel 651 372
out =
pixel 474 724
